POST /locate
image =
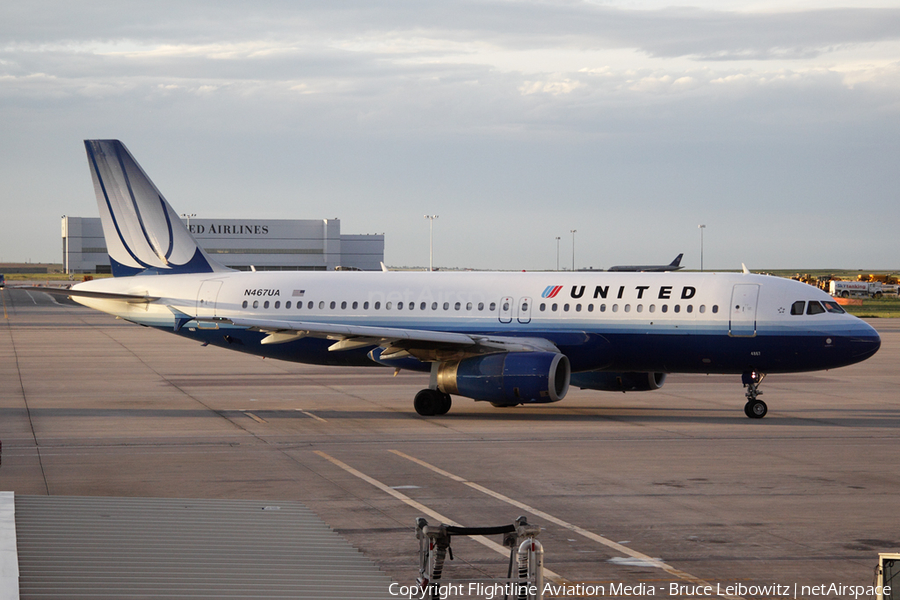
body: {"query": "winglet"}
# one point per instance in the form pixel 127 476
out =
pixel 745 269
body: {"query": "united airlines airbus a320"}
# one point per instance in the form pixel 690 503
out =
pixel 505 338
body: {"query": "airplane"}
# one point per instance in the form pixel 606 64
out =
pixel 672 266
pixel 506 338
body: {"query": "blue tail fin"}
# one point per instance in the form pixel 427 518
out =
pixel 143 234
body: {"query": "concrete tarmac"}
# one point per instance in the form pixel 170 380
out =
pixel 655 489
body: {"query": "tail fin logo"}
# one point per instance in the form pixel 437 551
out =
pixel 143 233
pixel 551 291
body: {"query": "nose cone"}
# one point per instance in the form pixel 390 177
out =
pixel 864 342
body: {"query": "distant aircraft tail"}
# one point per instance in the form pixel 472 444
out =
pixel 677 261
pixel 143 233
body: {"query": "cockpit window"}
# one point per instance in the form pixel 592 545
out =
pixel 814 308
pixel 797 307
pixel 833 307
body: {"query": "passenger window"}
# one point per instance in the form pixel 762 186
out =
pixel 481 306
pixel 469 306
pixel 355 305
pixel 640 308
pixel 690 308
pixel 446 306
pixel 702 308
pixel 332 305
pixel 365 306
pixel 715 308
pixel 565 307
pixel 652 308
pixel 665 308
pixel 399 306
pixel 377 305
pixel 387 306
pixel 814 308
pixel 505 306
pixel 493 306
pixel 256 304
pixel 554 307
pixel 677 308
pixel 797 307
pixel 602 308
pixel 627 308
pixel 434 306
pixel 266 304
pixel 615 308
pixel 590 308
pixel 343 305
pixel 244 305
pixel 543 306
pixel 310 305
pixel 277 304
pixel 457 306
pixel 577 308
pixel 422 306
pixel 287 304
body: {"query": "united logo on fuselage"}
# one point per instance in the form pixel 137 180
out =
pixel 551 291
pixel 664 292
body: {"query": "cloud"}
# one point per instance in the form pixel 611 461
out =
pixel 533 115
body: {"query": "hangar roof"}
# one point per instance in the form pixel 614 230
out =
pixel 95 547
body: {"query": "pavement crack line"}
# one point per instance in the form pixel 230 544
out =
pixel 15 351
pixel 548 574
pixel 630 552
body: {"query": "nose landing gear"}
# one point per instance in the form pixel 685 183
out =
pixel 755 408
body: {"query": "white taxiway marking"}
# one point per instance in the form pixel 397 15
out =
pixel 309 414
pixel 645 560
pixel 548 574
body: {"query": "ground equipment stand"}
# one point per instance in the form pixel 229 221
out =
pixel 524 579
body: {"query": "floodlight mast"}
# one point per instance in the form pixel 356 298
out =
pixel 431 219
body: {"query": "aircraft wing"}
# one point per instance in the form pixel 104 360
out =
pixel 424 344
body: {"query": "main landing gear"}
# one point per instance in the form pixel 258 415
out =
pixel 755 408
pixel 430 403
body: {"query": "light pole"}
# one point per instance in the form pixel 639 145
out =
pixel 701 228
pixel 431 219
pixel 573 248
pixel 188 217
pixel 557 253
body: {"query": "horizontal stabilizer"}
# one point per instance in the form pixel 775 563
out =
pixel 68 292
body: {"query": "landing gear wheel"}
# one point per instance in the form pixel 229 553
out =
pixel 756 409
pixel 444 404
pixel 429 403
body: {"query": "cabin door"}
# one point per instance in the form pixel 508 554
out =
pixel 206 298
pixel 744 298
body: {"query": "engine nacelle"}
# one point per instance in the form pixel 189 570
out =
pixel 508 378
pixel 618 382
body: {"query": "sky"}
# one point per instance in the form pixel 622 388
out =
pixel 632 122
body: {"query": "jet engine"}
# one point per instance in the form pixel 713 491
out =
pixel 618 382
pixel 508 379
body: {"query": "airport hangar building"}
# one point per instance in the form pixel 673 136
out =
pixel 263 244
